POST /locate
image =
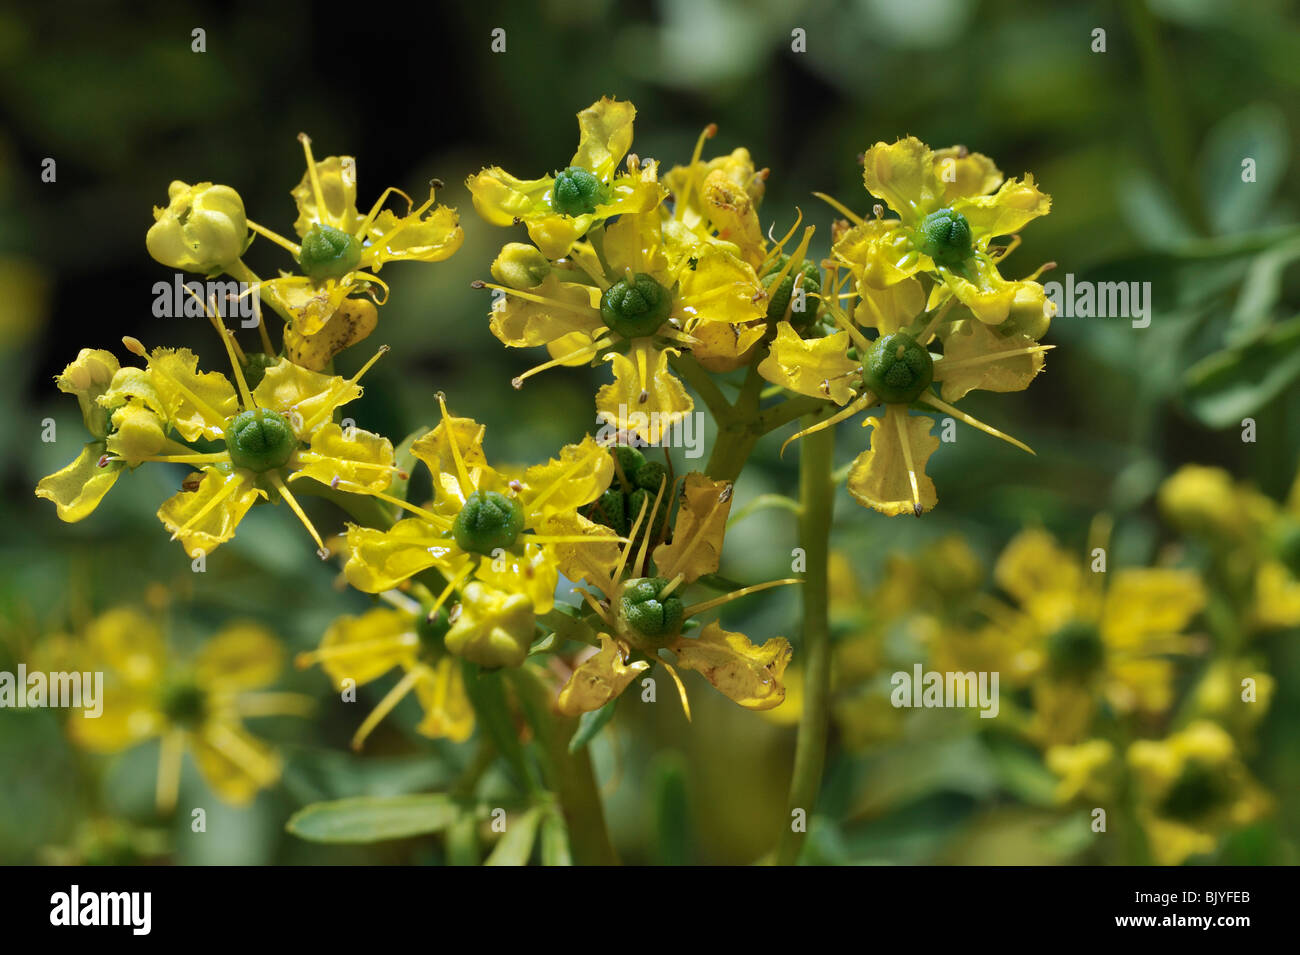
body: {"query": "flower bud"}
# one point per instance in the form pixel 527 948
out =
pixel 203 228
pixel 89 377
pixel 491 628
pixel 520 266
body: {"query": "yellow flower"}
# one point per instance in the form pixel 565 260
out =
pixel 950 205
pixel 558 210
pixel 640 615
pixel 653 291
pixel 203 228
pixel 357 650
pixel 125 431
pixel 196 706
pixel 896 369
pixel 341 250
pixel 494 526
pixel 275 434
pixel 720 198
pixel 1192 787
pixel 1100 636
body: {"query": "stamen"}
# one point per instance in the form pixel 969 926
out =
pixel 900 421
pixel 311 173
pixel 294 250
pixel 275 704
pixel 700 529
pixel 461 472
pixel 984 359
pixel 295 507
pixel 233 483
pixel 708 132
pixel 681 689
pixel 930 399
pixel 327 408
pixel 860 404
pixel 167 786
pixel 229 745
pixel 645 543
pixel 379 204
pixel 841 208
pixel 737 594
pixel 359 648
pixel 210 414
pixel 386 705
pixel 596 344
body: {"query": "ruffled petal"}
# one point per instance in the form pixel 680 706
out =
pixel 381 638
pixel 578 476
pixel 313 397
pixel 338 186
pixel 77 489
pixel 380 560
pixel 568 307
pixel 432 237
pixel 599 679
pixel 903 175
pixel 197 404
pixel 965 174
pixel 879 477
pixel 1005 212
pixel 646 398
pixel 243 656
pixel 817 367
pixel 701 524
pixel 206 517
pixel 359 459
pixel 744 673
pixel 605 136
pixel 352 322
pixel 447 710
pixel 978 356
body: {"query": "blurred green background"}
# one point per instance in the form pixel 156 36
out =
pixel 1140 147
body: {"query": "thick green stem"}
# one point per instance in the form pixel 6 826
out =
pixel 568 775
pixel 816 503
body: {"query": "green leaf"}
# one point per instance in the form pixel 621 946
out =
pixel 1233 384
pixel 516 845
pixel 590 724
pixel 1257 132
pixel 486 692
pixel 367 819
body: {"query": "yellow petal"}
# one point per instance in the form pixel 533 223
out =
pixel 881 253
pixel 89 377
pixel 197 405
pixel 380 560
pixel 1277 596
pixel 1005 212
pixel 592 561
pixel 433 237
pixel 605 136
pixel 362 461
pixel 293 390
pixel 77 489
pixel 129 644
pixel 501 198
pixel 233 762
pixel 599 679
pixel 447 710
pixel 903 175
pixel 129 717
pixel 721 288
pixel 1034 567
pixel 817 367
pixel 352 322
pixel 634 397
pixel 138 433
pixel 578 476
pixel 243 656
pixel 965 174
pixel 533 574
pixel 490 627
pixel 312 306
pixel 568 307
pixel 389 639
pixel 889 309
pixel 990 297
pixel 434 447
pixel 222 499
pixel 1149 602
pixel 749 675
pixel 338 185
pixel 879 477
pixel 720 347
pixel 701 524
pixel 970 360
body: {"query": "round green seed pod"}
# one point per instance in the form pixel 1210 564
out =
pixel 945 237
pixel 1075 651
pixel 260 440
pixel 610 509
pixel 487 522
pixel 576 192
pixel 897 369
pixel 779 295
pixel 184 703
pixel 643 614
pixel 651 476
pixel 630 460
pixel 636 308
pixel 328 253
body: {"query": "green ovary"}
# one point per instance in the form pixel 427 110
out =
pixel 489 521
pixel 897 369
pixel 260 440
